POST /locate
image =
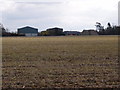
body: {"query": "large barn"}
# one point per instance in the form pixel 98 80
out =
pixel 28 31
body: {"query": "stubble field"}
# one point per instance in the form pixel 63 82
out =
pixel 60 62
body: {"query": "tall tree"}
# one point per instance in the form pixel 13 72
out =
pixel 109 25
pixel 2 29
pixel 99 27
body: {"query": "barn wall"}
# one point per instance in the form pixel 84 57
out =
pixel 31 34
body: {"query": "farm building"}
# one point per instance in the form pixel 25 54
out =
pixel 28 31
pixel 71 33
pixel 89 32
pixel 54 31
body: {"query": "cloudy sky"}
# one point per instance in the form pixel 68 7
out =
pixel 68 14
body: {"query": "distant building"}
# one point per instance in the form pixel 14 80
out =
pixel 28 31
pixel 71 33
pixel 89 32
pixel 54 31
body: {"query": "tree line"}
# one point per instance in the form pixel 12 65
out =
pixel 110 30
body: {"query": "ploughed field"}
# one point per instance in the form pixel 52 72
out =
pixel 60 62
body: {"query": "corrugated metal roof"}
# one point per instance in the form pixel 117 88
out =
pixel 27 29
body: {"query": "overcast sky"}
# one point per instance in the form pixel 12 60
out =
pixel 68 14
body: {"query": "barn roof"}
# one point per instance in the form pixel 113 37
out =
pixel 27 29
